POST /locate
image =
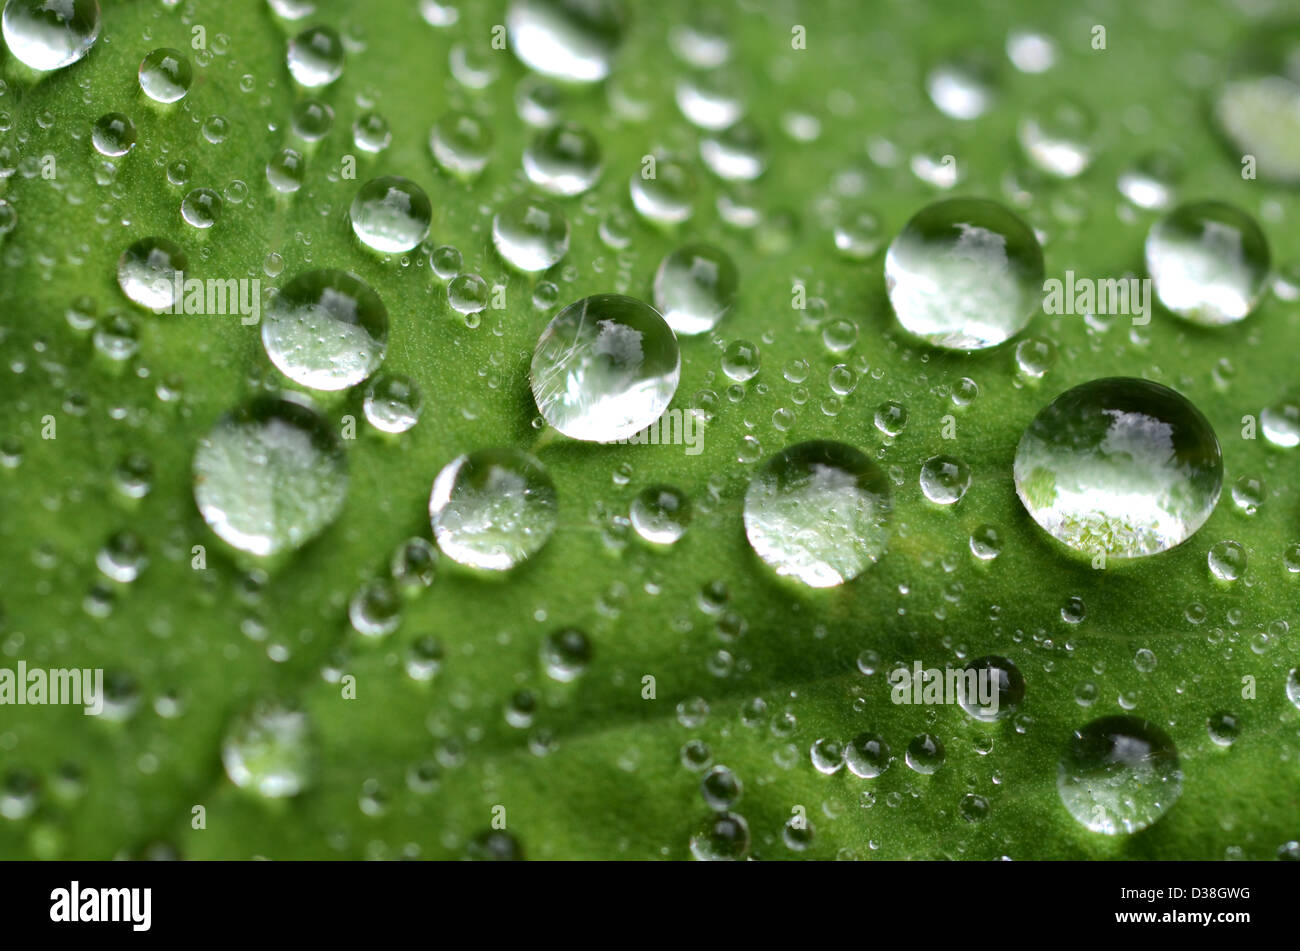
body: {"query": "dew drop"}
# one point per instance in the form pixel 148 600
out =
pixel 564 160
pixel 1119 774
pixel 148 270
pixel 605 368
pixel 269 750
pixel 391 214
pixel 571 40
pixel 818 512
pixel 166 75
pixel 530 234
pixel 965 274
pixel 326 330
pixel 316 56
pixel 48 36
pixel 660 514
pixel 1119 467
pixel 392 403
pixel 492 509
pixel 1208 262
pixel 695 287
pixel 270 475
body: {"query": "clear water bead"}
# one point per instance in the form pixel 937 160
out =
pixel 492 509
pixel 1209 262
pixel 270 475
pixel 818 512
pixel 571 40
pixel 695 287
pixel 326 330
pixel 1119 467
pixel 391 214
pixel 965 274
pixel 1119 774
pixel 605 368
pixel 49 35
pixel 530 234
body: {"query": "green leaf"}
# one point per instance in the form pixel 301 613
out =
pixel 600 772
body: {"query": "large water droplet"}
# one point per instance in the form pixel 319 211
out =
pixel 270 475
pixel 573 40
pixel 818 512
pixel 1208 261
pixel 1119 467
pixel 270 750
pixel 461 144
pixel 492 509
pixel 530 234
pixel 166 75
pixel 965 274
pixel 1119 774
pixel 564 160
pixel 46 35
pixel 391 214
pixel 605 368
pixel 147 272
pixel 316 56
pixel 326 330
pixel 695 287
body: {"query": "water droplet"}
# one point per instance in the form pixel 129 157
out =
pixel 660 514
pixel 113 134
pixel 961 87
pixel 530 234
pixel 721 788
pixel 123 557
pixel 1007 682
pixel 741 360
pixel 326 330
pixel 1151 180
pixel 147 272
pixel 710 100
pixel 1248 493
pixel 1224 728
pixel 724 836
pixel 492 509
pixel 1227 560
pixel 166 75
pixel 316 56
pixel 1120 467
pixel 566 653
pixel 695 287
pixel 1031 51
pixel 857 234
pixel 1058 138
pixel 867 755
pixel 965 274
pixel 986 542
pixel 270 475
pixel 270 751
pixel 1281 424
pixel 370 133
pixel 201 208
pixel 666 197
pixel 564 160
pixel 572 40
pixel 312 120
pixel 1257 109
pixel 286 171
pixel 1119 774
pixel 1208 262
pixel 392 403
pixel 818 512
pixel 891 418
pixel 925 754
pixel 945 479
pixel 47 36
pixel 605 368
pixel 391 214
pixel 461 144
pixel 737 153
